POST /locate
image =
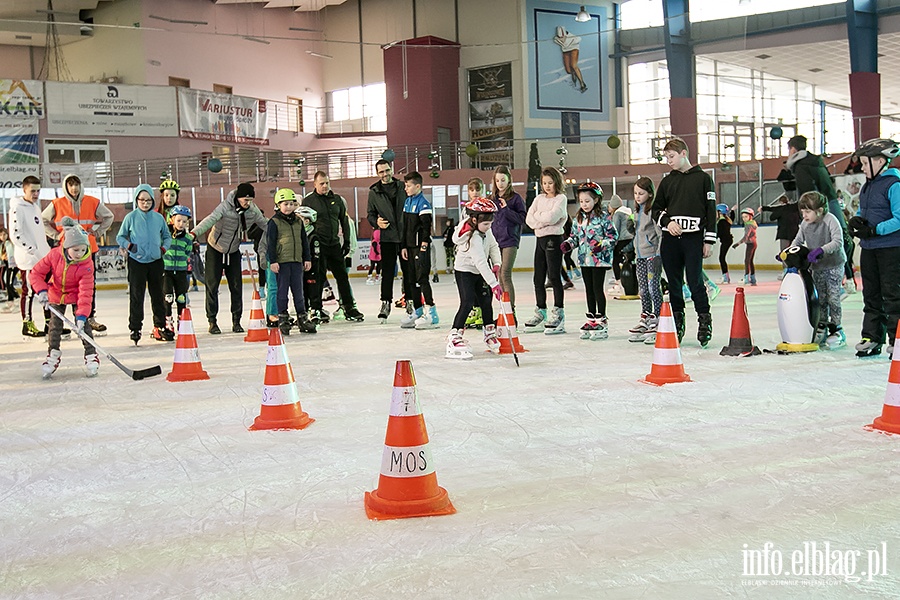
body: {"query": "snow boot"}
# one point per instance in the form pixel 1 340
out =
pixel 51 363
pixel 456 346
pixel 539 317
pixel 556 323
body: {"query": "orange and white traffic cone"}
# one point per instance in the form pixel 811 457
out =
pixel 889 420
pixel 740 343
pixel 257 330
pixel 186 366
pixel 506 328
pixel 408 485
pixel 280 400
pixel 667 366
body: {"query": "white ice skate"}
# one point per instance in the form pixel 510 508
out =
pixel 533 324
pixel 456 346
pixel 91 365
pixel 490 339
pixel 601 331
pixel 836 340
pixel 429 318
pixel 51 363
pixel 641 327
pixel 556 323
pixel 588 328
pixel 409 321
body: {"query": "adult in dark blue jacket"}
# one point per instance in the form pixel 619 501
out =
pixel 507 227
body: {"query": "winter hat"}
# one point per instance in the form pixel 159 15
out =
pixel 615 202
pixel 73 233
pixel 245 190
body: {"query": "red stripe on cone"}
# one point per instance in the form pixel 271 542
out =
pixel 404 494
pixel 256 332
pixel 280 408
pixel 186 366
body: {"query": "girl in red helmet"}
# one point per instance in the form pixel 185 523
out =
pixel 476 266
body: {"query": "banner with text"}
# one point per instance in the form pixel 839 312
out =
pixel 491 114
pixel 222 117
pixel 11 176
pixel 21 99
pixel 107 109
pixel 19 142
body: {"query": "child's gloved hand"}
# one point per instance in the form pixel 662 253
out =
pixel 498 293
pixel 43 299
pixel 496 270
pixel 735 245
pixel 80 320
pixel 814 255
pixel 566 246
pixel 860 228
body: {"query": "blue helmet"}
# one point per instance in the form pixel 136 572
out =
pixel 180 209
pixel 722 208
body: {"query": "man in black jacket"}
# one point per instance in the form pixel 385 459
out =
pixel 810 175
pixel 385 212
pixel 787 215
pixel 331 219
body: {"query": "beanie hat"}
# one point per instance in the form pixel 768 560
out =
pixel 615 202
pixel 73 233
pixel 245 190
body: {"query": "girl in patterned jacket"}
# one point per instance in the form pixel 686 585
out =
pixel 70 272
pixel 594 237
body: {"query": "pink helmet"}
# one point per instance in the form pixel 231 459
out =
pixel 748 211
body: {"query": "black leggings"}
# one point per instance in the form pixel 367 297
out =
pixel 473 291
pixel 723 253
pixel 593 284
pixel 547 267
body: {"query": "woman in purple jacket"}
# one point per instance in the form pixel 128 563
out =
pixel 507 227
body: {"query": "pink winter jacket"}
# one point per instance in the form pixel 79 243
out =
pixel 70 282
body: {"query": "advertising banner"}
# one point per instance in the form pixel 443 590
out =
pixel 222 117
pixel 19 142
pixel 106 109
pixel 491 114
pixel 11 176
pixel 55 173
pixel 21 99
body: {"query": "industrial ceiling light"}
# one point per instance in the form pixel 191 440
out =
pixel 250 38
pixel 180 21
pixel 582 16
pixel 318 54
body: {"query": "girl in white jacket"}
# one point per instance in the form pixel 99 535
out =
pixel 546 217
pixel 476 266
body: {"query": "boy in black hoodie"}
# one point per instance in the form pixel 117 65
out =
pixel 685 209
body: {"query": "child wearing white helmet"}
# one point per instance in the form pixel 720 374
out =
pixel 877 225
pixel 750 240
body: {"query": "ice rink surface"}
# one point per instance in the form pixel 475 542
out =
pixel 571 479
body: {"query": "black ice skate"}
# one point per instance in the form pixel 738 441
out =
pixel 704 329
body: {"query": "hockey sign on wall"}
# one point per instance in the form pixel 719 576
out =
pixel 222 117
pixel 491 114
pixel 111 109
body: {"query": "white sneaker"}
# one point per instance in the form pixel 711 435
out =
pixel 91 365
pixel 51 363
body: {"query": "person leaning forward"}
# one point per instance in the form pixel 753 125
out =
pixel 227 227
